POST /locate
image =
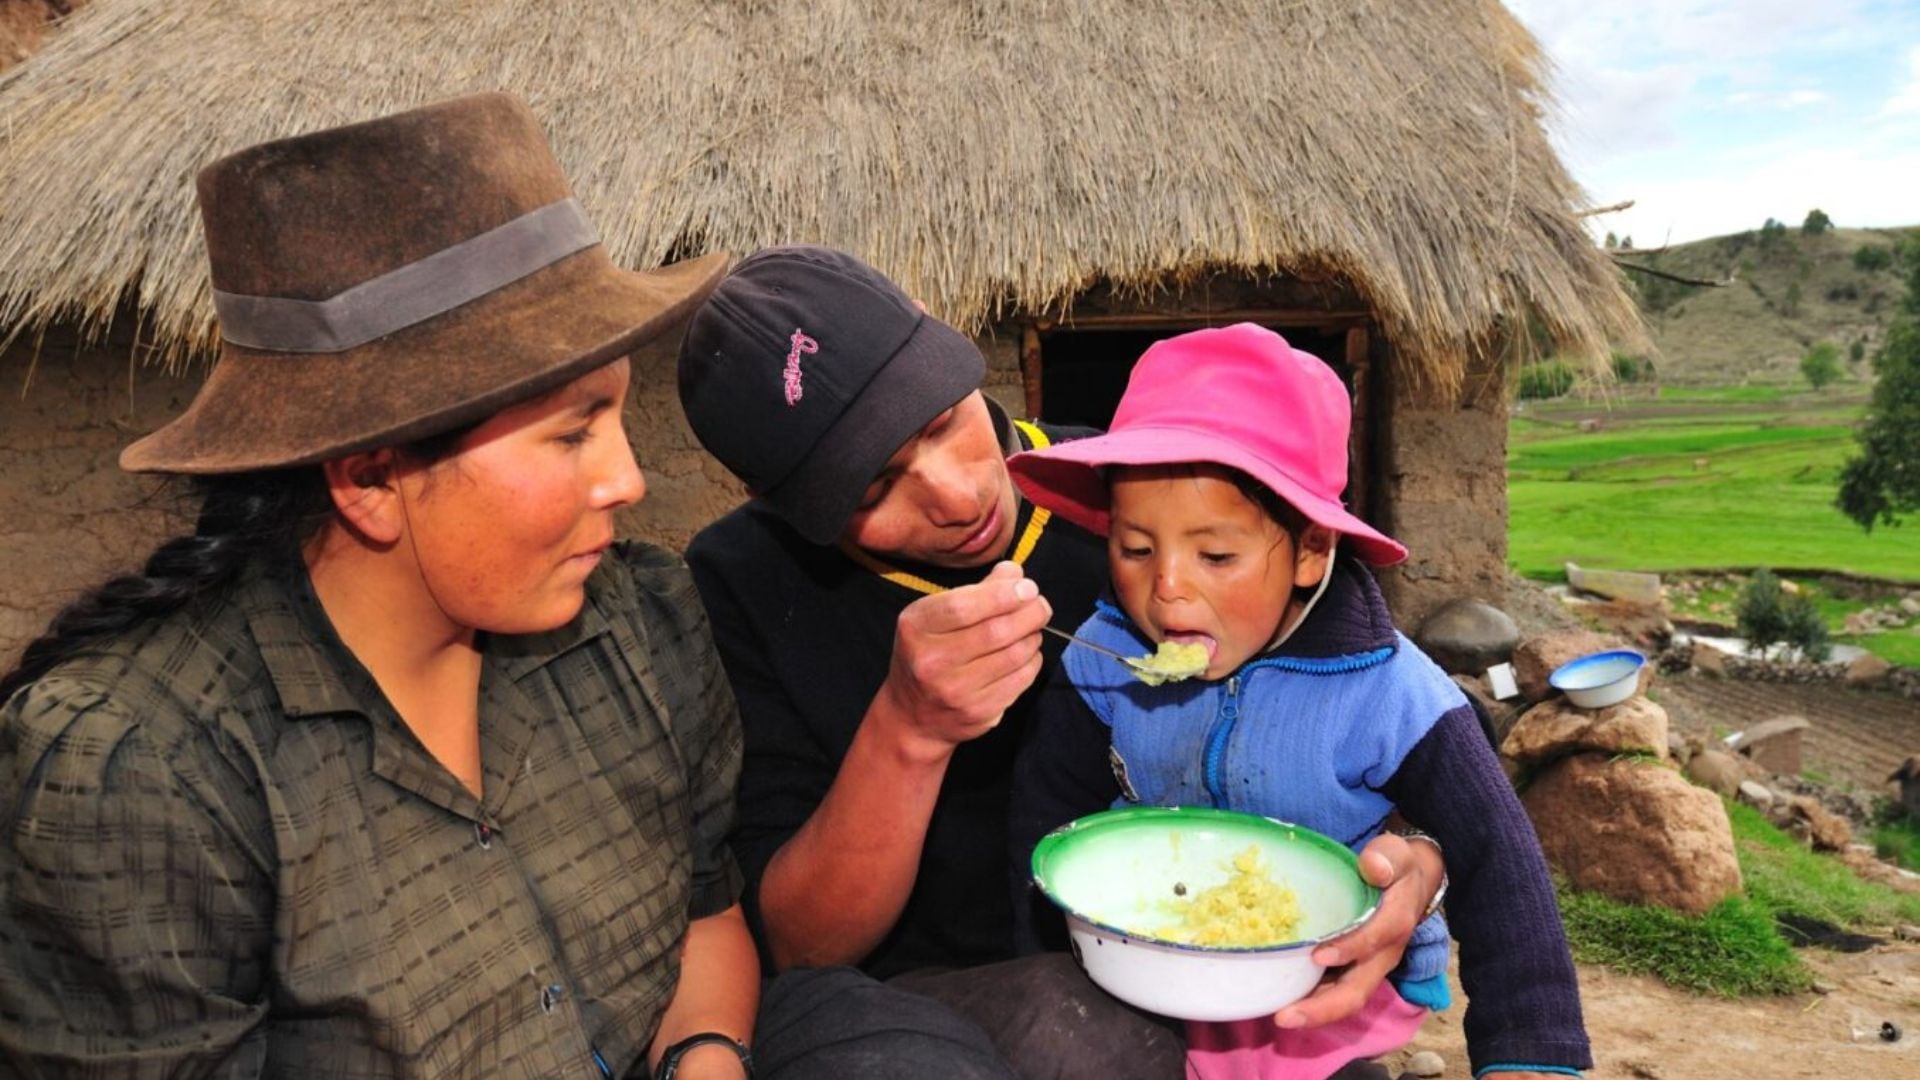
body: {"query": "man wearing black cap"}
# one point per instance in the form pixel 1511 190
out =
pixel 885 674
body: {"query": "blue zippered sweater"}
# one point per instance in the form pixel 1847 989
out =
pixel 1305 739
pixel 1345 723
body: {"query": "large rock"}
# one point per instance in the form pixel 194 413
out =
pixel 1647 626
pixel 1616 584
pixel 1501 714
pixel 1557 728
pixel 1773 745
pixel 1708 660
pixel 1468 636
pixel 1634 830
pixel 1717 771
pixel 1820 827
pixel 1536 658
pixel 1908 777
pixel 1867 670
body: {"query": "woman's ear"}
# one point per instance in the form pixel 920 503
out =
pixel 1312 551
pixel 365 488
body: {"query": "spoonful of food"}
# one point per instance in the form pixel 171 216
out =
pixel 1171 662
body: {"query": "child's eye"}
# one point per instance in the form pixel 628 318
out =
pixel 577 438
pixel 1135 552
pixel 1217 558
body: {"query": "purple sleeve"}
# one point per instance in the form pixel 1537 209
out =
pixel 1523 999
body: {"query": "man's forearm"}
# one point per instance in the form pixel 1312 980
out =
pixel 836 887
pixel 719 988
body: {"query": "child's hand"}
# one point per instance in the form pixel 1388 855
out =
pixel 1410 874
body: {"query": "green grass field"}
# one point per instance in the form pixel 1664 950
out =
pixel 1700 479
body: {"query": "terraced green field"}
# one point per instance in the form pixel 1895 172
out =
pixel 1697 483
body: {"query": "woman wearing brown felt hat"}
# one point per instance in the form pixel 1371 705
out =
pixel 400 765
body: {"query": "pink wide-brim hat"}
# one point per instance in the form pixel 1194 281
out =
pixel 1238 396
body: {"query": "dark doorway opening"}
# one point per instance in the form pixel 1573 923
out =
pixel 1084 372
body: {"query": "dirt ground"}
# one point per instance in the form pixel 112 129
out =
pixel 1641 1028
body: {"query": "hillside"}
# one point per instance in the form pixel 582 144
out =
pixel 1788 291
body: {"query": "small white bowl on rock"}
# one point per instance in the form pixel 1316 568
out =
pixel 1597 680
pixel 1112 873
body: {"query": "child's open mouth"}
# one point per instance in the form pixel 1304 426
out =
pixel 1193 637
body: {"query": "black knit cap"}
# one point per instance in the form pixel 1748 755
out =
pixel 806 369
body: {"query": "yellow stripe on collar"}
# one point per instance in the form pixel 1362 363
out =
pixel 1029 538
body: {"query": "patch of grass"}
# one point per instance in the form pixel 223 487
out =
pixel 1898 840
pixel 1731 951
pixel 1734 950
pixel 1893 646
pixel 1571 455
pixel 1741 394
pixel 1783 876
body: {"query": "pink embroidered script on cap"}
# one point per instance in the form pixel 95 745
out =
pixel 791 377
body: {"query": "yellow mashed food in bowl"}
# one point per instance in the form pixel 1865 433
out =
pixel 1249 909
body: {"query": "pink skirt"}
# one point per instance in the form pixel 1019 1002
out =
pixel 1258 1050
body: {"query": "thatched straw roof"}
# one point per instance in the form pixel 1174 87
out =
pixel 990 154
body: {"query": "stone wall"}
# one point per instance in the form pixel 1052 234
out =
pixel 69 518
pixel 1442 488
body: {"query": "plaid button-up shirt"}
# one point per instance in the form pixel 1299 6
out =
pixel 223 853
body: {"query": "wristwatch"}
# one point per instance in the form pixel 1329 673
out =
pixel 670 1061
pixel 1439 894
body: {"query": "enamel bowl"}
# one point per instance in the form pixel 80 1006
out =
pixel 1112 873
pixel 1597 680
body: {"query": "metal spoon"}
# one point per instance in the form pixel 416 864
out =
pixel 1130 661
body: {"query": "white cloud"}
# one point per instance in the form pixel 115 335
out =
pixel 1857 185
pixel 1717 114
pixel 1784 99
pixel 1907 98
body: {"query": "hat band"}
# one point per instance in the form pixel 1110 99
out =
pixel 409 294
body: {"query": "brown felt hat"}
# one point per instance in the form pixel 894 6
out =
pixel 391 280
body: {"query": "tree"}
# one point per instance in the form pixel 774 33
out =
pixel 1857 351
pixel 1817 222
pixel 1757 610
pixel 1883 484
pixel 1821 365
pixel 1626 243
pixel 1790 303
pixel 1769 615
pixel 1868 258
pixel 1611 242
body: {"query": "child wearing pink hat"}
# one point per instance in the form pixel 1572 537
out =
pixel 1218 489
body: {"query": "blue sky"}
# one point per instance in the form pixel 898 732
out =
pixel 1714 115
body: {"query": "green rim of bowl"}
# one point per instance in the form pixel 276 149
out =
pixel 1063 838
